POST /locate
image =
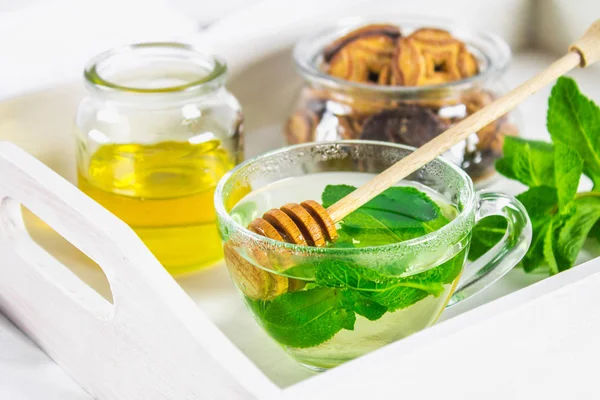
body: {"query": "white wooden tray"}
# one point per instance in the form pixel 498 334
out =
pixel 144 338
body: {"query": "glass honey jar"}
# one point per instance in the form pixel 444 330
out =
pixel 155 133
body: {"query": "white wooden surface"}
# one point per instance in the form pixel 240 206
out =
pixel 154 344
pixel 26 373
pixel 151 342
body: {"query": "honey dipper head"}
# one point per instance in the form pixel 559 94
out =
pixel 307 223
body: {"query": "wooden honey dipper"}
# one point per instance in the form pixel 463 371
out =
pixel 309 223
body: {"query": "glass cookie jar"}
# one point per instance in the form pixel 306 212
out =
pixel 331 108
pixel 155 133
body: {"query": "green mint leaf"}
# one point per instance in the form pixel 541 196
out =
pixel 402 296
pixel 575 224
pixel 342 274
pixel 574 120
pixel 311 317
pixel 533 163
pixel 530 162
pixel 535 257
pixel 389 292
pixel 405 201
pixel 398 214
pixel 561 218
pixel 364 306
pixel 595 231
pixel 567 170
pixel 486 234
pixel 306 318
pixel 541 204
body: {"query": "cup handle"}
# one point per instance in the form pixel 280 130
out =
pixel 507 253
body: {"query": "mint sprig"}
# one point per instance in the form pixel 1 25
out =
pixel 574 120
pixel 561 217
pixel 342 289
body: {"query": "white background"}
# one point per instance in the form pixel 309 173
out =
pixel 43 42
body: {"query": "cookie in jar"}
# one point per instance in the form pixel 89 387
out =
pixel 403 82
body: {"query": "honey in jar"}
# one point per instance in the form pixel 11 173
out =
pixel 165 193
pixel 154 137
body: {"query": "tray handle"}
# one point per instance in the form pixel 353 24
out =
pixel 153 333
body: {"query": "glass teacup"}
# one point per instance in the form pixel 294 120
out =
pixel 328 305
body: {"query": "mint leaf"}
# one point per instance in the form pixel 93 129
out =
pixel 567 171
pixel 527 161
pixel 402 201
pixel 311 317
pixel 575 120
pixel 541 204
pixel 307 318
pixel 389 292
pixel 338 273
pixel 558 234
pixel 533 164
pixel 595 231
pixel 365 307
pixel 536 256
pixel 424 284
pixel 486 234
pixel 546 242
pixel 576 222
pixel 398 214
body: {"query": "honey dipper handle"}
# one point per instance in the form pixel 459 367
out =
pixel 588 46
pixel 583 52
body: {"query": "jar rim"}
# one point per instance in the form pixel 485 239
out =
pixel 224 216
pixel 213 67
pixel 489 48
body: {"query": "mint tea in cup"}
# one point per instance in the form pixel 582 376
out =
pixel 398 262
